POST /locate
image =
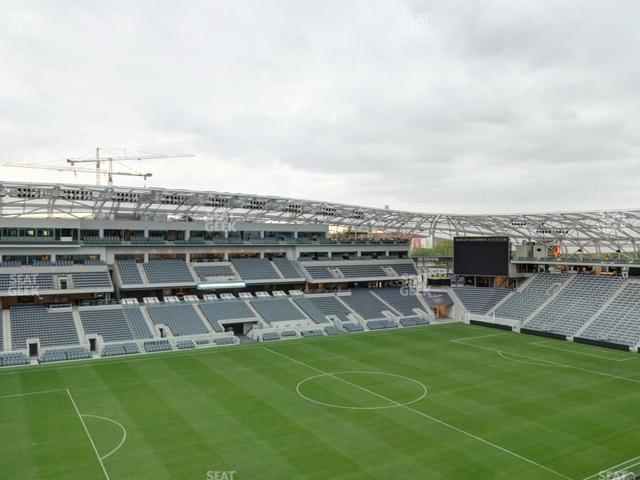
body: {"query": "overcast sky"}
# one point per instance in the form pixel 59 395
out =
pixel 439 106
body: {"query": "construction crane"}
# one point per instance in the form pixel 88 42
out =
pixel 99 161
pixel 110 174
pixel 119 158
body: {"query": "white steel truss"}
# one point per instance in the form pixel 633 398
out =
pixel 591 231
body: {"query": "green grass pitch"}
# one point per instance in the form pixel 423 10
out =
pixel 436 402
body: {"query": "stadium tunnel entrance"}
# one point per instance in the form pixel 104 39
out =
pixel 239 328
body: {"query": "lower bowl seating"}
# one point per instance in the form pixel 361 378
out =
pixel 267 337
pixel 185 344
pixel 312 333
pixel 157 346
pixel 13 359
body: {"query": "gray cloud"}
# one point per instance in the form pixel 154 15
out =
pixel 453 106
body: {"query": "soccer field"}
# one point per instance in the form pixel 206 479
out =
pixel 436 402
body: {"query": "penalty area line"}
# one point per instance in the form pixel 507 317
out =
pixel 27 394
pixel 603 357
pixel 551 363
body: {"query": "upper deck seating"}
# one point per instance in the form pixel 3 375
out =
pixel 168 272
pixel 255 269
pixel 318 272
pixel 129 273
pixel 362 271
pixel 404 268
pixel 91 280
pixel 287 268
pixel 206 272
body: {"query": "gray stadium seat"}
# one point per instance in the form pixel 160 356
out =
pixel 182 319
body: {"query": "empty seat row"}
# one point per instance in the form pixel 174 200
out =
pixel 13 359
pixel 330 305
pixel 113 350
pixel 365 304
pixel 287 268
pixel 522 304
pixel 255 269
pixel 53 327
pixel 60 355
pixel 277 310
pixel 181 318
pixel 91 280
pixel 480 300
pixel 380 324
pixel 575 304
pixel 311 309
pixel 170 272
pixel 412 321
pixel 213 272
pixel 215 312
pixel 270 336
pixel 312 333
pixel 352 327
pixel 619 322
pixel 129 273
pixel 185 344
pixel 157 346
pixel 402 300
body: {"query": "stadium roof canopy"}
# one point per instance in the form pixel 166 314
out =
pixel 593 231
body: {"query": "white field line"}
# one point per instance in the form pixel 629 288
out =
pixel 124 433
pixel 455 340
pixel 146 357
pixel 616 468
pixel 540 363
pixel 84 425
pixel 550 347
pixel 556 364
pixel 418 412
pixel 425 390
pixel 551 363
pixel 41 392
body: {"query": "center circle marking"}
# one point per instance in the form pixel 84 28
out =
pixel 395 403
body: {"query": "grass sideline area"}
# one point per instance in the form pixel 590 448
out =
pixel 435 402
